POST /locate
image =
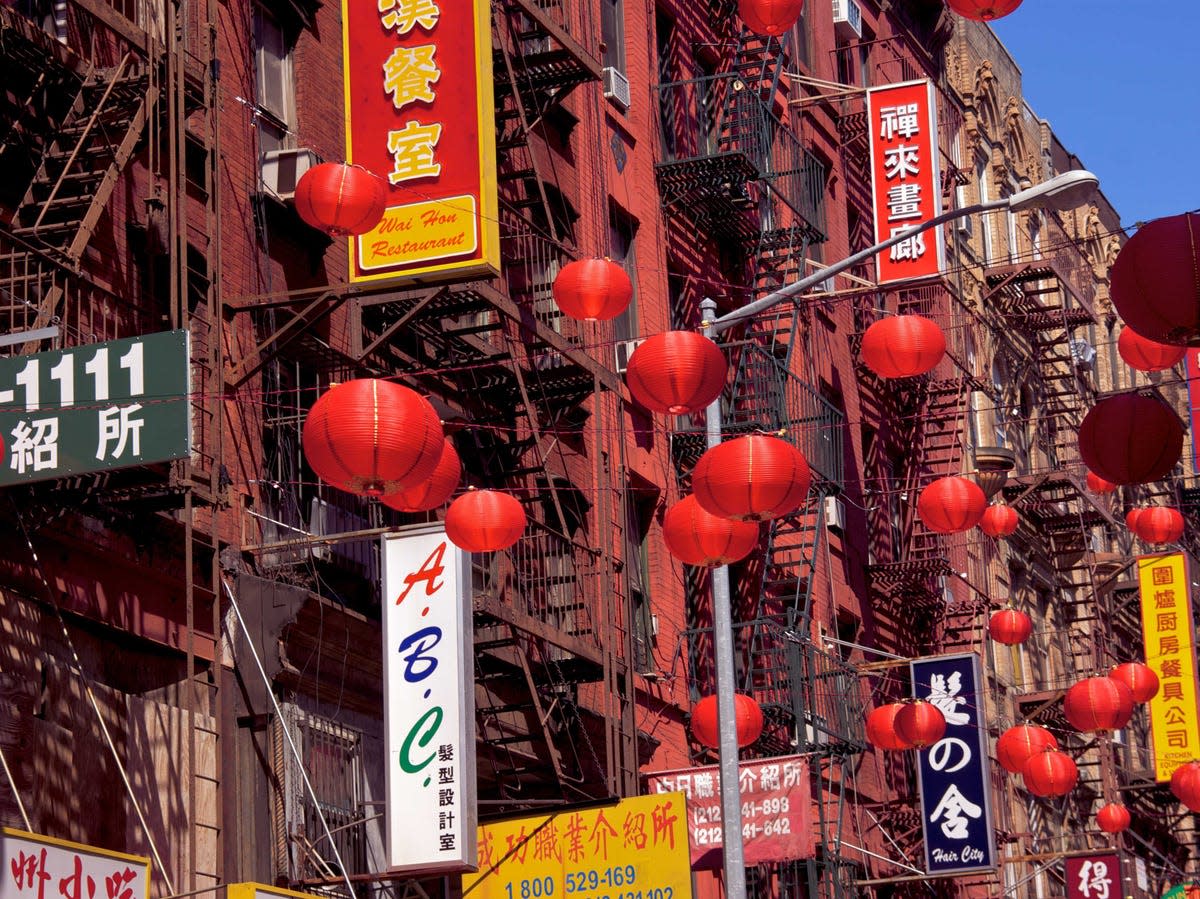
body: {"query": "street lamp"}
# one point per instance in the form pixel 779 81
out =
pixel 1062 192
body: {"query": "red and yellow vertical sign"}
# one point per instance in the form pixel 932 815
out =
pixel 1171 651
pixel 419 113
pixel 905 182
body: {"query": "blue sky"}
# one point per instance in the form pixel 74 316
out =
pixel 1118 81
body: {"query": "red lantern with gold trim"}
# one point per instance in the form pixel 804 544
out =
pixel 881 727
pixel 773 17
pixel 1019 744
pixel 1050 773
pixel 432 492
pixel 903 346
pixel 1130 439
pixel 1010 627
pixel 676 372
pixel 751 478
pixel 1158 524
pixel 1113 818
pixel 1098 703
pixel 482 521
pixel 1185 784
pixel 341 200
pixel 1147 355
pixel 999 521
pixel 1155 280
pixel 920 724
pixel 747 718
pixel 1097 484
pixel 1139 678
pixel 983 10
pixel 951 505
pixel 697 537
pixel 592 289
pixel 372 437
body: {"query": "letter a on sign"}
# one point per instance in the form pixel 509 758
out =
pixel 429 572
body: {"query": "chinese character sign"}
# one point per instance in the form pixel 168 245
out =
pixel 96 407
pixel 429 703
pixel 905 179
pixel 1170 642
pixel 263 891
pixel 635 849
pixel 776 799
pixel 37 867
pixel 953 772
pixel 419 113
pixel 1094 876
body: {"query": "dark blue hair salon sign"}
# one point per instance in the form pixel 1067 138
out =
pixel 953 773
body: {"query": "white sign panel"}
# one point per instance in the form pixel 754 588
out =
pixel 429 703
pixel 37 867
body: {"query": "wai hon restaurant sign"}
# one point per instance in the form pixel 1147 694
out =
pixel 419 114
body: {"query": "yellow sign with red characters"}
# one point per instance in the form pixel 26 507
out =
pixel 1171 651
pixel 636 849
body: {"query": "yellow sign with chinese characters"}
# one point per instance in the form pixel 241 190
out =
pixel 636 849
pixel 1171 651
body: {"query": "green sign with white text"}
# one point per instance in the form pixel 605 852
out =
pixel 96 407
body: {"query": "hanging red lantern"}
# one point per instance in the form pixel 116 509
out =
pixel 983 10
pixel 1147 355
pixel 1098 703
pixel 881 727
pixel 751 478
pixel 1050 773
pixel 951 505
pixel 920 723
pixel 1130 439
pixel 773 17
pixel 697 537
pixel 1010 627
pixel 1097 484
pixel 1019 744
pixel 1158 524
pixel 1185 784
pixel 1139 678
pixel 372 437
pixel 341 200
pixel 1113 818
pixel 1131 518
pixel 432 492
pixel 999 521
pixel 483 521
pixel 903 346
pixel 676 372
pixel 747 718
pixel 592 289
pixel 1155 280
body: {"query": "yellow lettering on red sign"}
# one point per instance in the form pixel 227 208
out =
pixel 409 75
pixel 412 152
pixel 404 15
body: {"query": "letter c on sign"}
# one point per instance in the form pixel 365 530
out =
pixel 423 740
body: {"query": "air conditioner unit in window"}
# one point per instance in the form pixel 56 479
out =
pixel 281 170
pixel 847 19
pixel 1082 352
pixel 835 513
pixel 964 226
pixel 616 86
pixel 623 350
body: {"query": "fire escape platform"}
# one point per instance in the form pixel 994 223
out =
pixel 1026 306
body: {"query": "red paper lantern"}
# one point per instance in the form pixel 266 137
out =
pixel 881 727
pixel 1147 355
pixel 1010 627
pixel 1185 784
pixel 747 718
pixel 1097 484
pixel 983 10
pixel 1158 524
pixel 1019 744
pixel 1155 280
pixel 772 17
pixel 592 289
pixel 920 724
pixel 903 346
pixel 339 199
pixel 951 505
pixel 751 478
pixel 482 521
pixel 1130 439
pixel 697 537
pixel 372 437
pixel 1050 773
pixel 676 372
pixel 1140 679
pixel 1098 703
pixel 1131 518
pixel 1113 818
pixel 432 492
pixel 999 521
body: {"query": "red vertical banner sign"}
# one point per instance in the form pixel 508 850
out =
pixel 1191 369
pixel 905 182
pixel 419 113
pixel 1094 876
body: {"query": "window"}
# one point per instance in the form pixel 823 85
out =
pixel 612 32
pixel 276 95
pixel 621 231
pixel 986 218
pixel 639 513
pixel 800 39
pixel 333 758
